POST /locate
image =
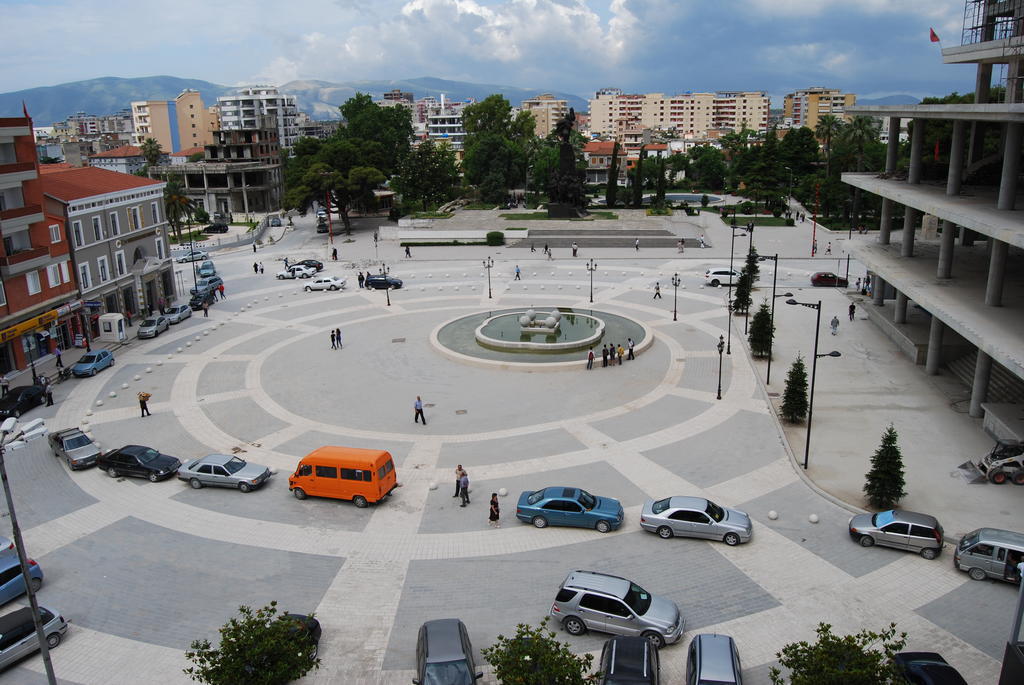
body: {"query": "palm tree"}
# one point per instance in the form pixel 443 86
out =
pixel 828 128
pixel 859 133
pixel 151 151
pixel 177 205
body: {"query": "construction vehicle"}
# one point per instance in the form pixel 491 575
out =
pixel 1005 462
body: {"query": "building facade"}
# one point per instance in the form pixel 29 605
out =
pixel 244 109
pixel 444 122
pixel 806 107
pixel 195 122
pixel 152 119
pixel 598 156
pixel 612 112
pixel 310 128
pixel 546 110
pixel 126 159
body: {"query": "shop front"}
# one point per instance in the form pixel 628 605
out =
pixel 34 339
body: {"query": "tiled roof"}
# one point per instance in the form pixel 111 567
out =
pixel 56 166
pixel 188 153
pixel 599 147
pixel 78 183
pixel 123 151
pixel 656 146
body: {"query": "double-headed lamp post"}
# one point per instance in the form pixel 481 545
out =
pixel 675 294
pixel 591 267
pixel 732 246
pixel 771 339
pixel 384 269
pixel 489 264
pixel 814 368
pixel 721 347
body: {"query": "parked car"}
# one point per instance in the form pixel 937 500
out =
pixel 588 600
pixel 7 547
pixel 193 256
pixel 18 633
pixel 74 447
pixel 216 228
pixel 19 400
pixel 444 654
pixel 275 222
pixel 380 282
pixel 208 283
pixel 91 363
pixel 990 553
pixel 153 326
pixel 927 668
pixel 713 659
pixel 695 517
pixel 560 506
pixel 297 271
pixel 716 277
pixel 138 461
pixel 206 269
pixel 202 297
pixel 178 313
pixel 828 279
pixel 629 661
pixel 900 529
pixel 223 470
pixel 322 227
pixel 12 583
pixel 326 283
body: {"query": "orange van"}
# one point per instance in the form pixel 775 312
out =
pixel 360 475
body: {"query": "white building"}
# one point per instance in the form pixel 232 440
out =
pixel 244 109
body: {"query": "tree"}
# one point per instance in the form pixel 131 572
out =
pixel 862 659
pixel 828 127
pixel 884 484
pixel 428 174
pixel 794 398
pixel 704 200
pixel 387 130
pixel 859 133
pixel 707 167
pixel 761 331
pixel 178 207
pixel 741 292
pixel 533 656
pixel 752 266
pixel 638 180
pixel 613 177
pixel 151 151
pixel 257 648
pixel 496 146
pixel 659 185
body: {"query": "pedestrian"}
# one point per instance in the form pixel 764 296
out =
pixel 254 247
pixel 334 340
pixel 611 354
pixel 286 262
pixel 636 244
pixel 657 291
pixel 458 480
pixel 255 268
pixel 858 285
pixel 337 336
pixel 533 248
pixel 408 252
pixel 206 309
pixel 48 389
pixel 835 325
pixel 261 268
pixel 547 250
pixel 517 278
pixel 828 248
pixel 630 344
pixel 575 248
pixel 360 279
pixel 162 305
pixel 5 385
pixel 464 489
pixel 334 254
pixel 622 353
pixel 701 239
pixel 853 310
pixel 143 400
pixel 814 247
pixel 418 406
pixel 57 353
pixel 220 288
pixel 679 246
pixel 128 317
pixel 590 359
pixel 494 516
pixel 550 256
pixel 604 358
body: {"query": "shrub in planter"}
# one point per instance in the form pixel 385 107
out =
pixel 791 222
pixel 495 238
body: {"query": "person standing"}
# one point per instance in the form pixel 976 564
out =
pixel 361 278
pixel 828 248
pixel 629 344
pixel 657 291
pixel 575 248
pixel 334 341
pixel 835 325
pixel 206 308
pixel 56 353
pixel 853 310
pixel 261 268
pixel 48 389
pixel 494 515
pixel 286 262
pixel 221 289
pixel 611 354
pixel 143 403
pixel 418 406
pixel 254 247
pixel 408 252
pixel 255 268
pixel 636 244
pixel 128 316
pixel 464 488
pixel 679 246
pixel 622 353
pixel 604 355
pixel 458 480
pixel 590 359
pixel 517 278
pixel 701 239
pixel 337 336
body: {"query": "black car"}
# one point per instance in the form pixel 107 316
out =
pixel 197 300
pixel 629 661
pixel 927 668
pixel 380 282
pixel 216 228
pixel 444 655
pixel 19 400
pixel 138 461
pixel 311 263
pixel 322 228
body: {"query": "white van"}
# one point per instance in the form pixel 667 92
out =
pixel 990 553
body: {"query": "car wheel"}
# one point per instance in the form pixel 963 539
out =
pixel 36 583
pixel 153 478
pixel 655 638
pixel 929 553
pixel 92 371
pixel 17 413
pixel 195 483
pixel 1018 477
pixel 314 650
pixel 359 501
pixel 866 541
pixel 603 526
pixel 664 532
pixel 998 476
pixel 574 626
pixel 540 522
pixel 977 574
pixel 308 289
pixel 112 472
pixel 715 283
pixel 52 640
pixel 299 493
pixel 244 487
pixel 731 539
pixel 334 287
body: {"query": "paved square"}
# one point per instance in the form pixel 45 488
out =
pixel 662 413
pixel 502 450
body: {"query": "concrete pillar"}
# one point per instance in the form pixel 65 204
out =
pixel 900 314
pixel 916 146
pixel 956 158
pixel 909 221
pixel 934 359
pixel 885 224
pixel 979 389
pixel 996 273
pixel 877 290
pixel 1011 166
pixel 893 146
pixel 945 269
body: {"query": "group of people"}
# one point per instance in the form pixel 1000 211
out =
pixel 336 339
pixel 462 491
pixel 612 353
pixel 257 267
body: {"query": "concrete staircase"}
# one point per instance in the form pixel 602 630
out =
pixel 1003 386
pixel 596 237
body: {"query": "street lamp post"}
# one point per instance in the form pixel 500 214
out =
pixel 591 267
pixel 489 264
pixel 771 339
pixel 387 286
pixel 732 246
pixel 675 296
pixel 814 369
pixel 721 346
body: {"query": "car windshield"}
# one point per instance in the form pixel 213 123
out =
pixel 87 359
pixel 660 506
pixel 714 511
pixel 149 322
pixel 638 599
pixel 76 442
pixel 968 541
pixel 882 518
pixel 587 500
pixel 147 455
pixel 535 497
pixel 235 465
pixel 447 673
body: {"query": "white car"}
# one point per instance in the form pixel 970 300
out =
pixel 178 313
pixel 720 276
pixel 297 271
pixel 192 256
pixel 326 283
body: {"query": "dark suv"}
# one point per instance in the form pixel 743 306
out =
pixel 197 300
pixel 444 654
pixel 629 661
pixel 380 282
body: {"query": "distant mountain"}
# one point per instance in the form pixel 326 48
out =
pixel 320 99
pixel 890 100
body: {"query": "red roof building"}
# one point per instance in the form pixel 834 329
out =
pixel 126 159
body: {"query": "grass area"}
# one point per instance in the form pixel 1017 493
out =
pixel 758 220
pixel 517 228
pixel 438 243
pixel 659 212
pixel 195 235
pixel 480 205
pixel 531 216
pixel 431 215
pixel 543 216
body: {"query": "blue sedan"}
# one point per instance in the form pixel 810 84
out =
pixel 92 363
pixel 569 507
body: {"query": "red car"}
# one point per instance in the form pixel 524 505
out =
pixel 828 279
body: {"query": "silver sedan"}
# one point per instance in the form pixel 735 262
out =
pixel 223 470
pixel 695 517
pixel 153 326
pixel 178 313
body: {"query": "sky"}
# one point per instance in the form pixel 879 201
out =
pixel 869 47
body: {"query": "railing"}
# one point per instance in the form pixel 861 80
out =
pixel 15 167
pixel 20 211
pixel 24 255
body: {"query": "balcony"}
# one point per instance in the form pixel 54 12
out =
pixel 24 261
pixel 14 126
pixel 17 172
pixel 20 217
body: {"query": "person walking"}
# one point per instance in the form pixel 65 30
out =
pixel 517 278
pixel 48 389
pixel 835 325
pixel 220 288
pixel 679 246
pixel 701 239
pixel 636 244
pixel 828 248
pixel 657 291
pixel 547 250
pixel 261 268
pixel 604 356
pixel 622 353
pixel 361 279
pixel 494 515
pixel 143 403
pixel 629 345
pixel 56 353
pixel 255 268
pixel 857 287
pixel 575 248
pixel 254 247
pixel 206 309
pixel 533 248
pixel 408 252
pixel 337 336
pixel 464 488
pixel 286 262
pixel 853 310
pixel 5 385
pixel 590 359
pixel 458 480
pixel 418 406
pixel 334 254
pixel 128 317
pixel 334 341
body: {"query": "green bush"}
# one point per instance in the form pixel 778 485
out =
pixel 495 238
pixel 436 243
pixel 791 222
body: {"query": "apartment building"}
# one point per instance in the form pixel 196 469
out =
pixel 805 107
pixel 598 156
pixel 309 128
pixel 175 124
pixel 39 307
pixel 126 159
pixel 82 124
pixel 396 95
pixel 444 122
pixel 245 108
pixel 612 112
pixel 546 110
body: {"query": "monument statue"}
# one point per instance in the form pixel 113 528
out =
pixel 565 186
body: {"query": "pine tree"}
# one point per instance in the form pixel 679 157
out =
pixel 794 398
pixel 613 178
pixel 659 196
pixel 884 484
pixel 638 181
pixel 752 266
pixel 761 331
pixel 741 293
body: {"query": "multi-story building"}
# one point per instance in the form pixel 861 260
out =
pixel 83 124
pixel 613 112
pixel 242 111
pixel 196 123
pixel 39 308
pixel 118 234
pixel 396 95
pixel 805 107
pixel 444 122
pixel 960 255
pixel 308 128
pixel 598 156
pixel 126 159
pixel 178 123
pixel 546 110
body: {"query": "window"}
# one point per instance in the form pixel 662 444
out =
pixel 32 277
pixel 119 262
pixel 65 274
pixel 357 474
pixel 689 516
pixel 53 275
pixel 154 212
pixel 101 267
pixel 55 233
pixel 114 228
pixel 159 248
pixel 133 219
pixel 3 294
pixel 982 550
pixel 327 471
pixel 76 229
pixel 205 469
pixel 922 532
pixel 97 229
pixel 84 281
pixel 897 529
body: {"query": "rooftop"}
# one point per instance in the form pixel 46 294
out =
pixel 123 151
pixel 188 152
pixel 82 182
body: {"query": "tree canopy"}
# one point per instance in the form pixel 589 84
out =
pixel 496 146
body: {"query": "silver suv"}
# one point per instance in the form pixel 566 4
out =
pixel 588 600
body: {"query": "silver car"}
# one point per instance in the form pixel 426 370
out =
pixel 18 633
pixel 908 530
pixel 223 470
pixel 588 600
pixel 153 326
pixel 695 517
pixel 75 447
pixel 178 313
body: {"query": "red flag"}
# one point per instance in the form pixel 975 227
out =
pixel 934 36
pixel 24 109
